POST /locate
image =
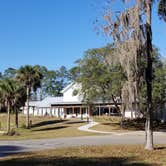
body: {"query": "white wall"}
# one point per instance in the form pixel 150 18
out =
pixel 68 94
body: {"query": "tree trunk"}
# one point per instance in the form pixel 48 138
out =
pixel 122 115
pixel 115 103
pixel 149 120
pixel 8 118
pixel 16 118
pixel 27 116
pixel 90 113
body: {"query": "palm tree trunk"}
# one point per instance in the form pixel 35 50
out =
pixel 8 118
pixel 27 116
pixel 149 120
pixel 16 117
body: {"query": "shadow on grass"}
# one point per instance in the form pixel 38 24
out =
pixel 160 148
pixel 72 161
pixel 49 122
pixel 50 128
pixel 139 124
pixel 134 124
pixel 160 127
pixel 6 150
pixel 74 122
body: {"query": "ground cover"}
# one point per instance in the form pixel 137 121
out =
pixel 115 155
pixel 42 127
pixel 112 124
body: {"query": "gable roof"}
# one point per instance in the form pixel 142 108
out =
pixel 67 87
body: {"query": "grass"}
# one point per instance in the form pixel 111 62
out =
pixel 116 155
pixel 43 127
pixel 108 124
pixel 112 124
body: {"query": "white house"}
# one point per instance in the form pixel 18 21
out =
pixel 70 105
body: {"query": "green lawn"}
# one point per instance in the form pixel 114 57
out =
pixel 43 127
pixel 91 156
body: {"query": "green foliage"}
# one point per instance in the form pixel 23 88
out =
pixel 162 9
pixel 23 126
pixel 10 73
pixel 41 81
pixel 158 84
pixel 159 87
pixel 30 76
pixel 98 79
pixel 11 92
pixel 53 81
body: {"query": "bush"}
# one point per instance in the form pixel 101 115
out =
pixel 23 126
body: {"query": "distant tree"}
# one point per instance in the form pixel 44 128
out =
pixel 63 78
pixel 159 82
pixel 53 82
pixel 158 85
pixel 31 78
pixel 1 76
pixel 10 73
pixel 50 83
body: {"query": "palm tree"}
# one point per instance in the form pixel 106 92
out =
pixel 19 100
pixel 7 92
pixel 30 77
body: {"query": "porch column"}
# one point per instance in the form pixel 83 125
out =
pixel 51 111
pixel 37 110
pixel 73 110
pixel 99 110
pixel 109 110
pixel 81 113
pixel 33 110
pixel 42 111
pixel 65 112
pixel 59 112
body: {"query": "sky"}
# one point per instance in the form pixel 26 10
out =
pixel 53 32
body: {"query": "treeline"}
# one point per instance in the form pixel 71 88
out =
pixel 102 77
pixel 51 84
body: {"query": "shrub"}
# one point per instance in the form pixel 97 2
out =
pixel 23 126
